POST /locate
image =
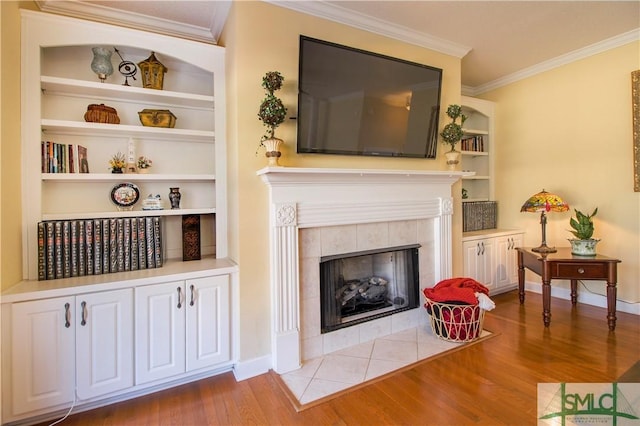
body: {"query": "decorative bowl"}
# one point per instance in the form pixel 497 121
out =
pixel 157 118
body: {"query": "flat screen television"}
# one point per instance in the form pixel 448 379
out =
pixel 354 102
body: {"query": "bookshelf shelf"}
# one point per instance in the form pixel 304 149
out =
pixel 133 177
pixel 78 128
pixel 128 213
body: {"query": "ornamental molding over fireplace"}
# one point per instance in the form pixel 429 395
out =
pixel 317 197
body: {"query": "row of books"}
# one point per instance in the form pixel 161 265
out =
pixel 75 248
pixel 479 215
pixel 63 158
pixel 473 143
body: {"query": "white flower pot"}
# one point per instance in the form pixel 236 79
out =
pixel 272 147
pixel 584 247
pixel 453 158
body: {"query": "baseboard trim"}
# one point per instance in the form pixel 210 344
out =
pixel 243 370
pixel 585 297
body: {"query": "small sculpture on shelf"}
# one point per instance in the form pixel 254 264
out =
pixel 117 163
pixel 127 69
pixel 152 202
pixel 144 164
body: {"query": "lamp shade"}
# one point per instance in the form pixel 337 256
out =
pixel 544 201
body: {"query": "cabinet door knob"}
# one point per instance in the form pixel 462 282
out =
pixel 581 270
pixel 67 315
pixel 193 290
pixel 83 305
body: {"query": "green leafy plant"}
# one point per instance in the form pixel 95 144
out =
pixel 452 132
pixel 272 111
pixel 582 225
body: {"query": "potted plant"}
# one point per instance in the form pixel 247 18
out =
pixel 117 163
pixel 583 244
pixel 144 164
pixel 272 113
pixel 452 134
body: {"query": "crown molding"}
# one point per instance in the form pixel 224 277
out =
pixel 576 55
pixel 122 18
pixel 335 13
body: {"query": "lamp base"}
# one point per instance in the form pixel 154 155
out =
pixel 544 249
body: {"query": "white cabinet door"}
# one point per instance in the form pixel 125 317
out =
pixel 479 256
pixel 208 334
pixel 104 342
pixel 42 354
pixel 160 331
pixel 507 259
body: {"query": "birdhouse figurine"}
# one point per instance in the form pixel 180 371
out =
pixel 152 72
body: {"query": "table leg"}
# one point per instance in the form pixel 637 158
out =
pixel 520 277
pixel 546 302
pixel 611 305
pixel 574 291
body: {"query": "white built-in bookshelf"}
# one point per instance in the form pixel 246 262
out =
pixel 58 86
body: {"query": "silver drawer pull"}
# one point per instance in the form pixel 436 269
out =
pixel 581 270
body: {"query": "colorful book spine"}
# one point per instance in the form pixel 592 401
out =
pixel 57 242
pixel 66 249
pixel 151 259
pixel 50 250
pixel 82 248
pixel 157 240
pixel 127 243
pixel 73 225
pixel 142 245
pixel 42 256
pixel 134 244
pixel 105 246
pixel 113 245
pixel 97 246
pixel 89 246
pixel 120 245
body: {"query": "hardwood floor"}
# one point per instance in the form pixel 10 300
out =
pixel 493 382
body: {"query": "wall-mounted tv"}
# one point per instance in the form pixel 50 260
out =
pixel 354 102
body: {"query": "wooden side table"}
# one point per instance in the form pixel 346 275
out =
pixel 566 266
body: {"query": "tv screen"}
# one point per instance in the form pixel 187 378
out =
pixel 354 102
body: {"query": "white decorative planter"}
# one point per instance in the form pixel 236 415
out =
pixel 584 247
pixel 453 158
pixel 272 147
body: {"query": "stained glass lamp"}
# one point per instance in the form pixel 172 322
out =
pixel 544 202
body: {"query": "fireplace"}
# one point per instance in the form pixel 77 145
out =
pixel 363 286
pixel 316 212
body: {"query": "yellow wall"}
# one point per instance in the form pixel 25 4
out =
pixel 569 131
pixel 10 160
pixel 261 37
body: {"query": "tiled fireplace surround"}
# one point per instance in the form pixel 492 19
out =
pixel 318 212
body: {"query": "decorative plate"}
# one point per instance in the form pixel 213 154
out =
pixel 125 194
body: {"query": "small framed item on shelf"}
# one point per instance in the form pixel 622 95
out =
pixel 125 195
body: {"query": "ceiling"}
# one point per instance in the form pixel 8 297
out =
pixel 498 41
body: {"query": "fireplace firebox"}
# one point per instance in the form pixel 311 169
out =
pixel 362 286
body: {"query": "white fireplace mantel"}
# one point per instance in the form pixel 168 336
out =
pixel 317 197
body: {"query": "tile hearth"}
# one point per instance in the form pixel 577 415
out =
pixel 332 373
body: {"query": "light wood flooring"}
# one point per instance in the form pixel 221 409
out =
pixel 493 382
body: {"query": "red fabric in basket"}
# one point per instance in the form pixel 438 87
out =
pixel 455 322
pixel 456 290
